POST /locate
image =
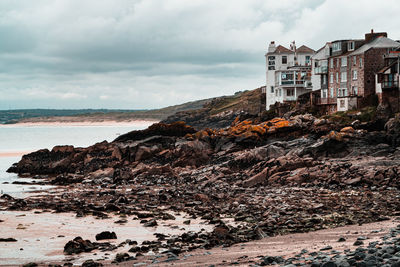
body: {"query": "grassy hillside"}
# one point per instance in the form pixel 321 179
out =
pixel 247 101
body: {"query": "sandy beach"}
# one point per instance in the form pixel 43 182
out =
pixel 13 154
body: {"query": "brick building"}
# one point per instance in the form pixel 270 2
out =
pixel 352 66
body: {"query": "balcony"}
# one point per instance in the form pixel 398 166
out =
pixel 390 84
pixel 321 70
pixel 291 83
pixel 326 101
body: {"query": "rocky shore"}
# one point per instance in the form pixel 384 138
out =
pixel 269 178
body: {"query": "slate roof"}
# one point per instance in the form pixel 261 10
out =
pixel 380 42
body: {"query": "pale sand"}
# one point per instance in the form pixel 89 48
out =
pixel 287 245
pixel 136 123
pixel 13 154
pixel 42 236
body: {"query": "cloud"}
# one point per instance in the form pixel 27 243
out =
pixel 152 53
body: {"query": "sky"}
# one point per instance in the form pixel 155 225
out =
pixel 142 54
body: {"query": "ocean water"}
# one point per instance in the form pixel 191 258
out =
pixel 16 140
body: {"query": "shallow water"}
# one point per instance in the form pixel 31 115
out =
pixel 16 140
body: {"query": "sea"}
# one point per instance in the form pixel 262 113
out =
pixel 19 139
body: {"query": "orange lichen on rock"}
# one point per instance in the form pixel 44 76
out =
pixel 335 136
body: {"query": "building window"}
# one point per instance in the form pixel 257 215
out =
pixel 337 46
pixel 280 92
pixel 308 59
pixel 331 63
pixel 337 77
pixel 331 92
pixel 350 46
pixel 343 76
pixel 354 75
pixel 284 59
pixel 344 61
pixel 272 89
pixel 324 93
pixel 354 60
pixel 271 62
pixel 287 78
pixel 354 90
pixel 342 92
pixel 331 79
pixel 361 63
pixel 342 103
pixel 290 92
pixel 337 62
pixel 323 79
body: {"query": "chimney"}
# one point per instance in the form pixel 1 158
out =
pixel 271 47
pixel 373 35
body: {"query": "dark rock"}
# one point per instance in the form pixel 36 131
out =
pixel 91 263
pixel 358 243
pixel 151 223
pixel 120 257
pixel 78 245
pixel 106 235
pixel 9 239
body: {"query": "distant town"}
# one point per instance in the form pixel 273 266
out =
pixel 340 76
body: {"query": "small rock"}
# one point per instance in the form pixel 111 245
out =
pixel 106 235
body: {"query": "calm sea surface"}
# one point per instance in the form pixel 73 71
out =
pixel 23 139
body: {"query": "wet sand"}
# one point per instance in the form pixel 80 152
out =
pixel 249 253
pixel 41 236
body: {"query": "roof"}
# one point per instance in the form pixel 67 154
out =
pixel 320 53
pixel 305 49
pixel 282 49
pixel 380 42
pixel 387 67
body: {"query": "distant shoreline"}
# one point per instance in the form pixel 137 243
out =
pixel 60 121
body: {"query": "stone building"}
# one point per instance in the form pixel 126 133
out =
pixel 387 81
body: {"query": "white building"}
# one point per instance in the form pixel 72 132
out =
pixel 319 70
pixel 288 73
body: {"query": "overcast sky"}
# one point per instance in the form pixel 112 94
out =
pixel 136 54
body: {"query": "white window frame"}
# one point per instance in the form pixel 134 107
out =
pixel 344 61
pixel 337 77
pixel 343 76
pixel 331 78
pixel 355 74
pixel 331 63
pixel 355 60
pixel 361 63
pixel 350 46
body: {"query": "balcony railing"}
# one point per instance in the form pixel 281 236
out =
pixel 321 70
pixel 326 101
pixel 390 84
pixel 291 83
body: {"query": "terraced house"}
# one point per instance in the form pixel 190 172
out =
pixel 342 75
